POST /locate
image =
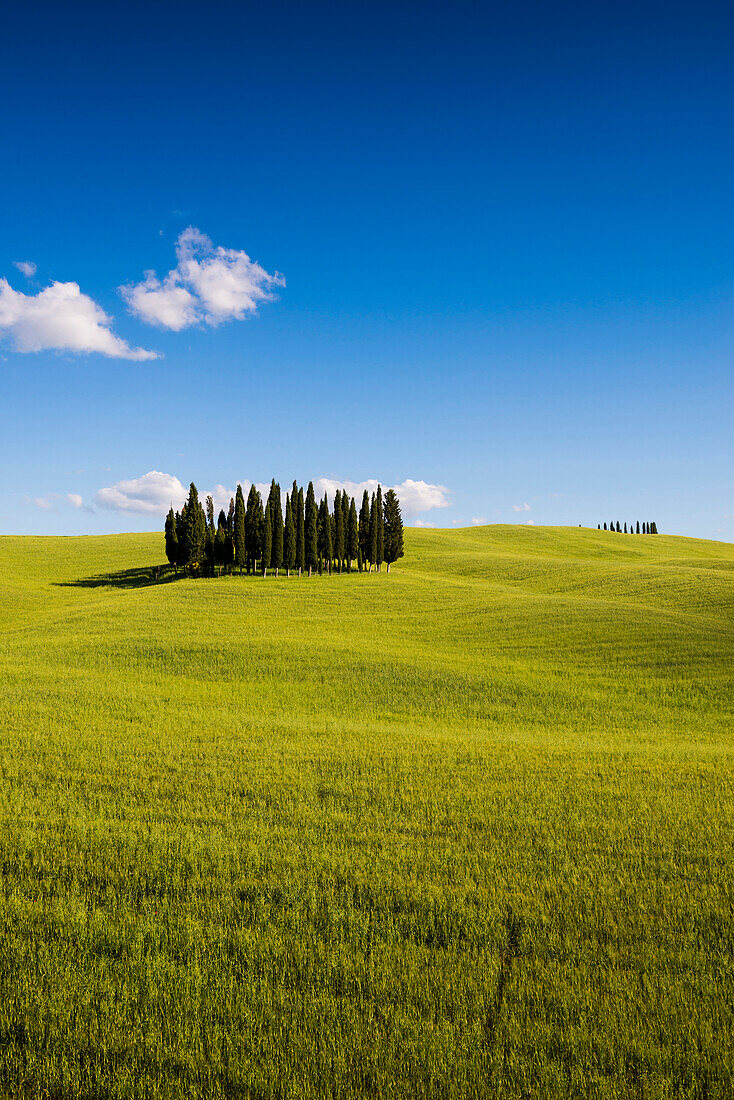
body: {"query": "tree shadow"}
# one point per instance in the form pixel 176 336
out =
pixel 143 577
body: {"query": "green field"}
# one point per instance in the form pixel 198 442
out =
pixel 462 830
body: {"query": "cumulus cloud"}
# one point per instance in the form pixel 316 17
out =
pixel 414 496
pixel 208 285
pixel 479 521
pixel 47 503
pixel 75 500
pixel 61 318
pixel 26 267
pixel 152 494
pixel 521 507
pixel 424 523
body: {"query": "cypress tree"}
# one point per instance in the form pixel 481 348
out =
pixel 300 534
pixel 220 542
pixel 339 539
pixel 345 523
pixel 181 535
pixel 619 529
pixel 638 528
pixel 171 539
pixel 625 528
pixel 239 529
pixel 364 528
pixel 325 544
pixel 372 546
pixel 605 526
pixel 289 538
pixel 393 528
pixel 210 514
pixel 276 519
pixel 380 524
pixel 230 517
pixel 253 528
pixel 598 527
pixel 654 527
pixel 194 527
pixel 352 536
pixel 311 526
pixel 267 549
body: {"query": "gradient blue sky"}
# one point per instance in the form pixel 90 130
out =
pixel 506 233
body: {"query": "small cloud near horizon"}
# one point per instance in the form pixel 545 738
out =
pixel 521 507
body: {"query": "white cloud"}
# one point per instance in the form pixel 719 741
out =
pixel 152 494
pixel 61 318
pixel 414 496
pixel 26 267
pixel 75 500
pixel 208 285
pixel 47 503
pixel 530 523
pixel 424 523
pixel 479 521
pixel 521 507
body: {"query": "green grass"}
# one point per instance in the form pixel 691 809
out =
pixel 466 830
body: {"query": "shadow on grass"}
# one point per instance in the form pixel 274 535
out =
pixel 127 578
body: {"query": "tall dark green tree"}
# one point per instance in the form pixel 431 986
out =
pixel 220 542
pixel 345 523
pixel 372 546
pixel 276 518
pixel 267 549
pixel 194 528
pixel 300 534
pixel 210 513
pixel 311 529
pixel 253 528
pixel 289 538
pixel 393 528
pixel 380 522
pixel 171 538
pixel 325 544
pixel 352 536
pixel 339 534
pixel 638 528
pixel 240 552
pixel 364 528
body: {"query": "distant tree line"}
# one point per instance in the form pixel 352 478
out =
pixel 307 536
pixel 634 529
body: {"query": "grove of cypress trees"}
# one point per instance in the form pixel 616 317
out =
pixel 300 534
pixel 352 536
pixel 339 539
pixel 311 530
pixel 393 528
pixel 289 538
pixel 239 529
pixel 267 549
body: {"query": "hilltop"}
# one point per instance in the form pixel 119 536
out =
pixel 460 829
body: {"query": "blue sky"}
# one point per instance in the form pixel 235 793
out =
pixel 505 234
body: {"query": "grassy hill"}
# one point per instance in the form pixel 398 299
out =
pixel 462 830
